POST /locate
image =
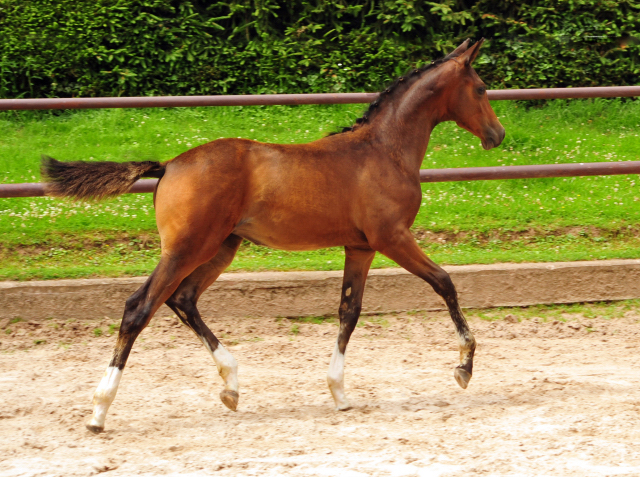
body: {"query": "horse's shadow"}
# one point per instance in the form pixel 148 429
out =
pixel 437 404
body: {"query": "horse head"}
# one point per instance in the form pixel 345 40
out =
pixel 466 98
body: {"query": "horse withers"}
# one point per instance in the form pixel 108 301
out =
pixel 359 189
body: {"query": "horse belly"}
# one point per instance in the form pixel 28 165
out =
pixel 297 235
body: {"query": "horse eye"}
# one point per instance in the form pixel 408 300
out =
pixel 482 90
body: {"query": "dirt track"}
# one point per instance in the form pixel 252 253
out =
pixel 556 399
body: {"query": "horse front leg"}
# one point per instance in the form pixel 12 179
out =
pixel 404 250
pixel 356 267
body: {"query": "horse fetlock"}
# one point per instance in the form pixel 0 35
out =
pixel 467 347
pixel 471 344
pixel 466 355
pixel 229 375
pixel 339 397
pixel 225 362
pixel 103 397
pixel 336 386
pixel 335 381
pixel 96 424
pixel 464 371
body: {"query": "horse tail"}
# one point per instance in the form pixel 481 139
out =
pixel 94 180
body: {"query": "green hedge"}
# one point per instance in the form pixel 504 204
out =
pixel 67 48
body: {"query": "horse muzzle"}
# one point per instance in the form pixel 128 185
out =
pixel 493 138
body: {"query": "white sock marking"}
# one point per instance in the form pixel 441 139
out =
pixel 335 379
pixel 104 395
pixel 226 364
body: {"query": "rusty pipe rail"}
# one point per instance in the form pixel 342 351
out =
pixel 292 99
pixel 530 172
pixel 426 175
pixel 37 189
pixel 187 101
pixel 565 93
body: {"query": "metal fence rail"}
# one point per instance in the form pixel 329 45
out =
pixel 36 189
pixel 530 172
pixel 426 175
pixel 292 99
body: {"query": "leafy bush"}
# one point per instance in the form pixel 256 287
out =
pixel 51 48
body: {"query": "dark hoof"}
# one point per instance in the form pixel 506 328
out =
pixel 229 399
pixel 95 429
pixel 462 377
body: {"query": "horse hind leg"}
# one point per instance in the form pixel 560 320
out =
pixel 227 365
pixel 139 309
pixel 183 303
pixel 356 267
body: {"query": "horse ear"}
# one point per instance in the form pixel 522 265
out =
pixel 472 52
pixel 461 49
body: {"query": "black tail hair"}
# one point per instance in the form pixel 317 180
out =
pixel 94 180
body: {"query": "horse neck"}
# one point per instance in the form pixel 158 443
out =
pixel 404 125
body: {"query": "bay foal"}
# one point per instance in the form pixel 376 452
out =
pixel 359 189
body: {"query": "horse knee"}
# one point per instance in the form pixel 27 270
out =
pixel 350 310
pixel 349 313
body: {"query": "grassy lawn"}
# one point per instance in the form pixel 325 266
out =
pixel 463 222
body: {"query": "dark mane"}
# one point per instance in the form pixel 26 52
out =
pixel 405 80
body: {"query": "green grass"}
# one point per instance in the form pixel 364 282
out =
pixel 462 222
pixel 316 320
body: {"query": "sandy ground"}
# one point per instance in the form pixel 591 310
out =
pixel 556 399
